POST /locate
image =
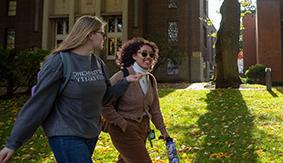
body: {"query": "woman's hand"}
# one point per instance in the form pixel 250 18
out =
pixel 134 78
pixel 6 154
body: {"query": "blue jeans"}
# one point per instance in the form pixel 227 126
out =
pixel 72 149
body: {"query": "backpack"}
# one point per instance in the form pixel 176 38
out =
pixel 66 72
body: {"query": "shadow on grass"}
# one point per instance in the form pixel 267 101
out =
pixel 167 88
pixel 226 129
pixel 165 92
pixel 279 89
pixel 272 93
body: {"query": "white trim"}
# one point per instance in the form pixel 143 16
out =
pixel 61 37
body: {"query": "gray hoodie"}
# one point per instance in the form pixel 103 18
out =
pixel 76 112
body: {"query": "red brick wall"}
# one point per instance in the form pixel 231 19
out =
pixel 249 40
pixel 135 31
pixel 26 35
pixel 156 16
pixel 269 37
pixel 23 23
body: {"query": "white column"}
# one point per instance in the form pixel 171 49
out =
pixel 45 24
pixel 197 67
pixel 71 13
pixel 98 8
pixel 125 20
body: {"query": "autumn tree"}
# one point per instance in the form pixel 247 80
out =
pixel 227 46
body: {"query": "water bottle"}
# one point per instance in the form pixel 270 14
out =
pixel 171 151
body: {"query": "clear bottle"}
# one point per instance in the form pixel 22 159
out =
pixel 171 151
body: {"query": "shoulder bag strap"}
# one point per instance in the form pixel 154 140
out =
pixel 66 70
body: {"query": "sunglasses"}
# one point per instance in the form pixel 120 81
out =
pixel 146 53
pixel 103 34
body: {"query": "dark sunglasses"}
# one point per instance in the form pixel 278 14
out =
pixel 103 34
pixel 145 53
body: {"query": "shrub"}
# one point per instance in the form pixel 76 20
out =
pixel 29 64
pixel 255 74
pixel 7 69
pixel 19 68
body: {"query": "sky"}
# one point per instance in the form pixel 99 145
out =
pixel 214 11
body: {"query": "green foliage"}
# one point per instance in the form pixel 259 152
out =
pixel 255 74
pixel 225 125
pixel 206 20
pixel 7 71
pixel 19 68
pixel 29 63
pixel 243 79
pixel 247 7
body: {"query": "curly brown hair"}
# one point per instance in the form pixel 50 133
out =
pixel 124 55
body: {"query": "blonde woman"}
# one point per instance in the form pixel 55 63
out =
pixel 71 119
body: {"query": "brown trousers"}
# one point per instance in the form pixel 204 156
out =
pixel 131 143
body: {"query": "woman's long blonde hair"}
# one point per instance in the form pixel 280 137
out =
pixel 78 36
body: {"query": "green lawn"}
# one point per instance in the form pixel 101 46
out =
pixel 207 125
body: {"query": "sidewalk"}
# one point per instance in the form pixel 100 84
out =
pixel 208 86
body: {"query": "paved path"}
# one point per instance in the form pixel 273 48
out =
pixel 208 86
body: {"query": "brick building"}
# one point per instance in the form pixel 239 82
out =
pixel 264 44
pixel 249 38
pixel 177 21
pixel 45 23
pixel 21 24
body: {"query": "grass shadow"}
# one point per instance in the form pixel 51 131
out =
pixel 280 89
pixel 165 92
pixel 227 129
pixel 167 88
pixel 272 93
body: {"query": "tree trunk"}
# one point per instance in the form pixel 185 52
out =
pixel 227 46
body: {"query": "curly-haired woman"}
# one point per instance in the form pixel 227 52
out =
pixel 130 115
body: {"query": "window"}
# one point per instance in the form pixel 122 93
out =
pixel 12 6
pixel 172 31
pixel 172 3
pixel 62 28
pixel 114 35
pixel 172 68
pixel 10 38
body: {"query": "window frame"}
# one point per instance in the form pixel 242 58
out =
pixel 65 29
pixel 172 5
pixel 115 35
pixel 12 8
pixel 177 33
pixel 7 44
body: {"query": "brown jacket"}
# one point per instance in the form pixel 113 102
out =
pixel 134 104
